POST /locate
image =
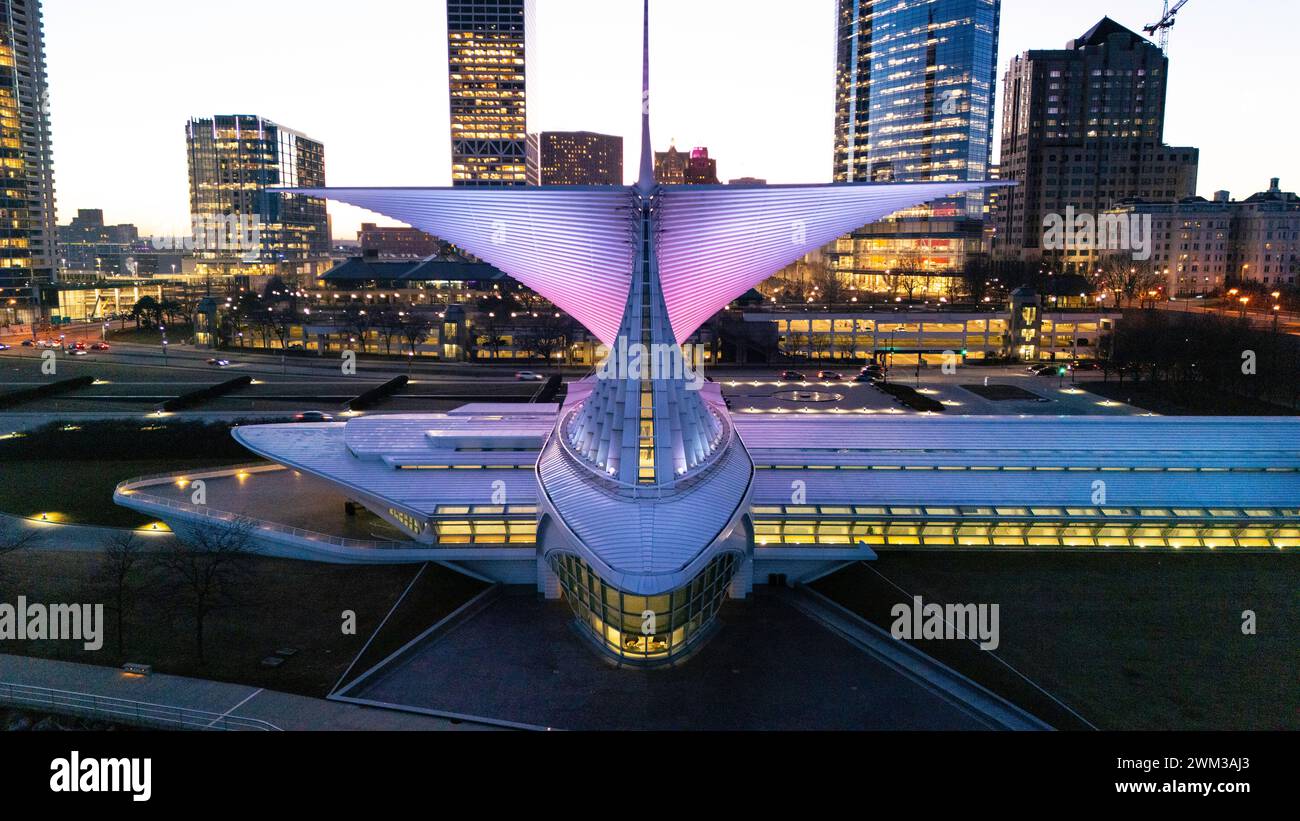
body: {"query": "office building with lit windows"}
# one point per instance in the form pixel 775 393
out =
pixel 575 158
pixel 242 228
pixel 489 114
pixel 1083 128
pixel 915 84
pixel 645 503
pixel 1202 245
pixel 696 167
pixel 27 239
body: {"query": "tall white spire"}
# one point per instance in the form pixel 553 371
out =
pixel 646 182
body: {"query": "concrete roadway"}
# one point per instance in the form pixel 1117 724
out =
pixel 133 385
pixel 1263 320
pixel 136 381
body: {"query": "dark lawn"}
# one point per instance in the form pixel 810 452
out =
pixel 283 604
pixel 1130 641
pixel 148 336
pixel 82 489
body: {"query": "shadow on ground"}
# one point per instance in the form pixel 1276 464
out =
pixel 768 667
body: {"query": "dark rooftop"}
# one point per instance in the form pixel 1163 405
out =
pixel 432 269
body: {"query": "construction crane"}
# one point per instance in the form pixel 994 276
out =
pixel 1161 29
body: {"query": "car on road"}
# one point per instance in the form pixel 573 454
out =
pixel 792 376
pixel 78 352
pixel 313 416
pixel 529 376
pixel 3 347
pixel 27 343
pixel 1050 370
pixel 219 363
pixel 101 346
pixel 832 376
pixel 1086 365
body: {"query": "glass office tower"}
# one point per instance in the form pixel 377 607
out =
pixel 233 159
pixel 914 103
pixel 27 230
pixel 485 50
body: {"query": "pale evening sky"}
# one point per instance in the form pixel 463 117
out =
pixel 751 79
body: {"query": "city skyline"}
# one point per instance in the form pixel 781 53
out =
pixel 788 97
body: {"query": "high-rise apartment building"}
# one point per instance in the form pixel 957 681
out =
pixel 915 84
pixel 241 228
pixel 1083 129
pixel 27 215
pixel 489 122
pixel 574 158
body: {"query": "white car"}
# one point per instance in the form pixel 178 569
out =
pixel 529 376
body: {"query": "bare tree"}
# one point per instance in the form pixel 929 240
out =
pixel 122 562
pixel 977 277
pixel 388 326
pixel 415 331
pixel 827 282
pixel 909 273
pixel 280 324
pixel 489 333
pixel 1126 279
pixel 546 335
pixel 357 321
pixel 203 572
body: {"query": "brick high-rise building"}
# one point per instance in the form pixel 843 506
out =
pixel 574 158
pixel 397 242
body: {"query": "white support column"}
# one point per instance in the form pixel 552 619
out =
pixel 742 584
pixel 548 584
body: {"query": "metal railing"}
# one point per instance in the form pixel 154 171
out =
pixel 125 711
pixel 272 527
pixel 129 489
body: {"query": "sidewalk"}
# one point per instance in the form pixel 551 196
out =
pixel 284 710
